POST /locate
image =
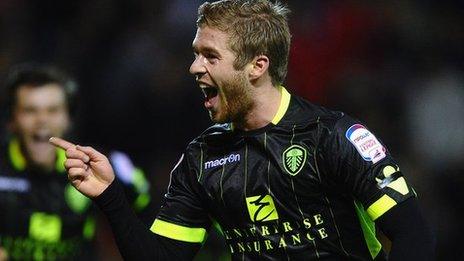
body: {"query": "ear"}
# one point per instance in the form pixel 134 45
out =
pixel 259 66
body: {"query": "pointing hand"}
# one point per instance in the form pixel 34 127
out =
pixel 89 171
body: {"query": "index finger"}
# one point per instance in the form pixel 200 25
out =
pixel 58 142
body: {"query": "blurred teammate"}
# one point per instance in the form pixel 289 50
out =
pixel 41 215
pixel 285 179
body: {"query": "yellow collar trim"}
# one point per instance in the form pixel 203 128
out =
pixel 284 102
pixel 19 162
pixel 16 156
pixel 60 159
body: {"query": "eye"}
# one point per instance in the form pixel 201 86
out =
pixel 54 109
pixel 212 58
pixel 28 110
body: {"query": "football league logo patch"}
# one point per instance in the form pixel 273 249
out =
pixel 365 143
pixel 294 158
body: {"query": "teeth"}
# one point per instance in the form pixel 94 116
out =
pixel 209 91
pixel 40 137
pixel 203 90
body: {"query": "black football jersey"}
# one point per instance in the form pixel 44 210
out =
pixel 307 186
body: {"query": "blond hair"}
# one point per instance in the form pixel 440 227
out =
pixel 256 27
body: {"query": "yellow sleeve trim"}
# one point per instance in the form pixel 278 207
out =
pixel 284 102
pixel 400 186
pixel 381 206
pixel 181 233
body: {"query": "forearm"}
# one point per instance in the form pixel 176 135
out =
pixel 411 237
pixel 135 241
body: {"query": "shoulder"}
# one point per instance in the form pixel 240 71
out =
pixel 124 168
pixel 349 136
pixel 216 134
pixel 215 137
pixel 335 127
pixel 217 129
pixel 12 162
pixel 333 120
pixel 302 112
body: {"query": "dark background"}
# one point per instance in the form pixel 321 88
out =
pixel 396 65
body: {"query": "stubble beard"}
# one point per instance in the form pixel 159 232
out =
pixel 236 100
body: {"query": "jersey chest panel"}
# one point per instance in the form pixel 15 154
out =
pixel 266 190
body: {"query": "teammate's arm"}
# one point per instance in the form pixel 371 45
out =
pixel 91 173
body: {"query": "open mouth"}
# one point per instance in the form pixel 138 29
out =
pixel 209 92
pixel 39 150
pixel 37 145
pixel 211 96
pixel 40 137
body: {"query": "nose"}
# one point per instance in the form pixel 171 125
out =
pixel 43 117
pixel 197 67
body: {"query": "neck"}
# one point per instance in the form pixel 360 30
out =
pixel 266 104
pixel 46 163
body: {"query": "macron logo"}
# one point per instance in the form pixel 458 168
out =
pixel 220 162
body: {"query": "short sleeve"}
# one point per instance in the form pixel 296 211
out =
pixel 182 215
pixel 357 161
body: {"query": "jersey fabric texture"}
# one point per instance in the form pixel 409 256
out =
pixel 43 217
pixel 307 186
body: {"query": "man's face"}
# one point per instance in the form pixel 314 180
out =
pixel 228 92
pixel 40 112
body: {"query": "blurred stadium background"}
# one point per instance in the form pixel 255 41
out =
pixel 396 65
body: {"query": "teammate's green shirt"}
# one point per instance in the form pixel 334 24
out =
pixel 43 217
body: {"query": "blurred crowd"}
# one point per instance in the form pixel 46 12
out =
pixel 398 66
